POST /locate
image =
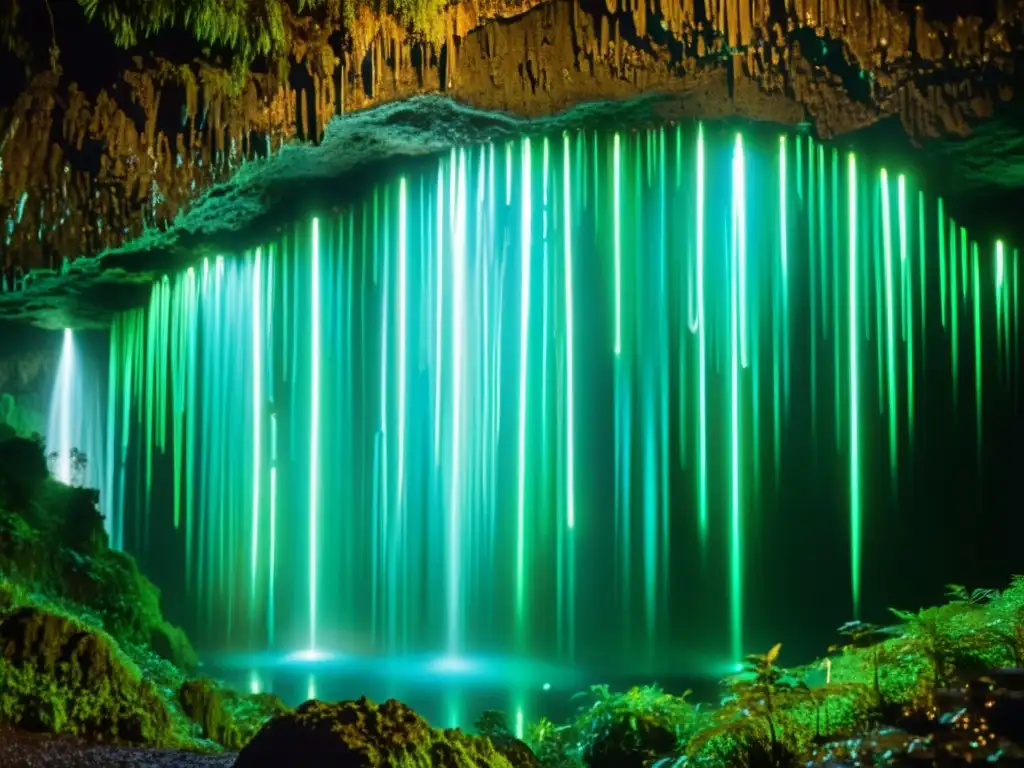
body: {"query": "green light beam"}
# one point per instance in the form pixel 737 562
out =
pixel 524 340
pixel 890 332
pixel 855 490
pixel 570 390
pixel 257 410
pixel 314 433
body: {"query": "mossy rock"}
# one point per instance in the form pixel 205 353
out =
pixel 360 734
pixel 58 676
pixel 225 716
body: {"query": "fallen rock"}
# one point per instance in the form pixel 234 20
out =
pixel 361 734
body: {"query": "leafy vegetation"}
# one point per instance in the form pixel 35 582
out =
pixel 84 647
pixel 773 717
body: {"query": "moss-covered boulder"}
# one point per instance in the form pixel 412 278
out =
pixel 361 734
pixel 58 676
pixel 52 540
pixel 225 716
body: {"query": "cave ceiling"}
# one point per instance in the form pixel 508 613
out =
pixel 121 162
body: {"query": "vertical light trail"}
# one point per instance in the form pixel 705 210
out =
pixel 999 309
pixel 617 236
pixel 954 330
pixel 570 390
pixel 907 303
pixel 855 490
pixel 439 315
pixel 921 251
pixel 782 336
pixel 314 432
pixel 257 410
pixel 741 191
pixel 702 480
pixel 526 244
pixel 735 534
pixel 402 331
pixel 66 379
pixel 272 558
pixel 890 341
pixel 457 202
pixel 942 261
pixel 978 352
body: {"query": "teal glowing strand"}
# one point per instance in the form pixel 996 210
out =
pixel 524 356
pixel 314 433
pixel 890 341
pixel 570 390
pixel 978 352
pixel 736 298
pixel 702 454
pixel 855 489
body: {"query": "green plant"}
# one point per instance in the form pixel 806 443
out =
pixel 631 728
pixel 864 635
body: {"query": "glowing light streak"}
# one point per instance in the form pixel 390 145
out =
pixel 526 241
pixel 570 390
pixel 735 299
pixel 458 351
pixel 257 410
pixel 978 353
pixel 439 315
pixel 855 489
pixel 314 432
pixel 617 236
pixel 890 332
pixel 702 481
pixel 402 331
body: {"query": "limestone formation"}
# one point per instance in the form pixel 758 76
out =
pixel 88 166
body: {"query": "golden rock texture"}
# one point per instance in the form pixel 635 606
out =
pixel 82 174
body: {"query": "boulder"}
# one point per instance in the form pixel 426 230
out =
pixel 361 734
pixel 58 676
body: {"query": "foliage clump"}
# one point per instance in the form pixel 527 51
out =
pixel 52 540
pixel 60 676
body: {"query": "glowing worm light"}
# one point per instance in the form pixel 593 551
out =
pixel 524 336
pixel 402 352
pixel 890 342
pixel 458 341
pixel 439 315
pixel 942 261
pixel 702 481
pixel 907 304
pixel 736 299
pixel 257 409
pixel 1000 268
pixel 978 352
pixel 855 491
pixel 570 392
pixel 739 192
pixel 63 402
pixel 314 432
pixel 617 236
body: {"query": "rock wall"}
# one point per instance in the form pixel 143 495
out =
pixel 25 383
pixel 83 169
